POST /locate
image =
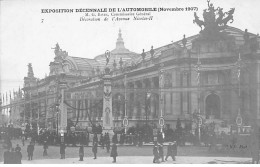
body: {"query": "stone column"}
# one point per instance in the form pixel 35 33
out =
pixel 152 100
pixel 107 103
pixel 134 113
pixel 63 109
pixel 194 94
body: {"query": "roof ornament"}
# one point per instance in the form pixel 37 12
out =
pixel 152 52
pixel 30 71
pixel 143 55
pixel 246 36
pixel 57 49
pixel 210 23
pixel 184 41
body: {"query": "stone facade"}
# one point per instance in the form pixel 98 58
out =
pixel 215 74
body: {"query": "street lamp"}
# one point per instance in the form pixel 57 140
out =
pixel 125 121
pixel 57 115
pixel 239 65
pixel 198 83
pixel 161 84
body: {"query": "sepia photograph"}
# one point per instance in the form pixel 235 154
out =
pixel 129 82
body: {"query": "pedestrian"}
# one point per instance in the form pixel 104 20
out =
pixel 7 156
pixel 62 150
pixel 81 153
pixel 174 150
pixel 45 147
pixel 101 141
pixel 94 149
pixel 17 148
pixel 255 152
pixel 18 156
pixel 114 152
pixel 87 139
pixel 30 150
pixel 23 138
pixel 114 139
pixel 13 158
pixel 169 151
pixel 161 154
pixel 156 154
pixel 108 144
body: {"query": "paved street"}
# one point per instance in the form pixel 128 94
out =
pixel 187 154
pixel 144 160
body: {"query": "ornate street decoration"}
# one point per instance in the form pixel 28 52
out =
pixel 211 24
pixel 107 94
pixel 107 55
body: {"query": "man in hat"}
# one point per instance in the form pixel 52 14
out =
pixel 17 148
pixel 156 154
pixel 30 150
pixel 18 156
pixel 45 147
pixel 169 151
pixel 114 152
pixel 161 154
pixel 62 150
pixel 81 153
pixel 174 150
pixel 94 149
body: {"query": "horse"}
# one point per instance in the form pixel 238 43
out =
pixel 229 17
pixel 199 22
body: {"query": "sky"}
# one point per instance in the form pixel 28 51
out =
pixel 27 35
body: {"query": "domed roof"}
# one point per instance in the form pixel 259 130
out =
pixel 116 54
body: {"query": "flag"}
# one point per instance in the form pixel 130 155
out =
pixel 6 98
pixel 10 96
pixel 19 92
pixel 13 93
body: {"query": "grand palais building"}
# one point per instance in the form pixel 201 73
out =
pixel 214 75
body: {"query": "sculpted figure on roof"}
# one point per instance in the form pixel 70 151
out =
pixel 57 49
pixel 210 23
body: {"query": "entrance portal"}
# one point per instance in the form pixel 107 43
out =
pixel 213 106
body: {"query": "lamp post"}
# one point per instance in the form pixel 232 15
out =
pixel 198 83
pixel 161 83
pixel 125 121
pixel 239 65
pixel 57 119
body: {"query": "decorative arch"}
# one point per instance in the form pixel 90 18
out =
pixel 213 106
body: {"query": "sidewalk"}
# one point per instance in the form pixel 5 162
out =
pixel 144 160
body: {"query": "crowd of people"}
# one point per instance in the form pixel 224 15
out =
pixel 13 155
pixel 135 136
